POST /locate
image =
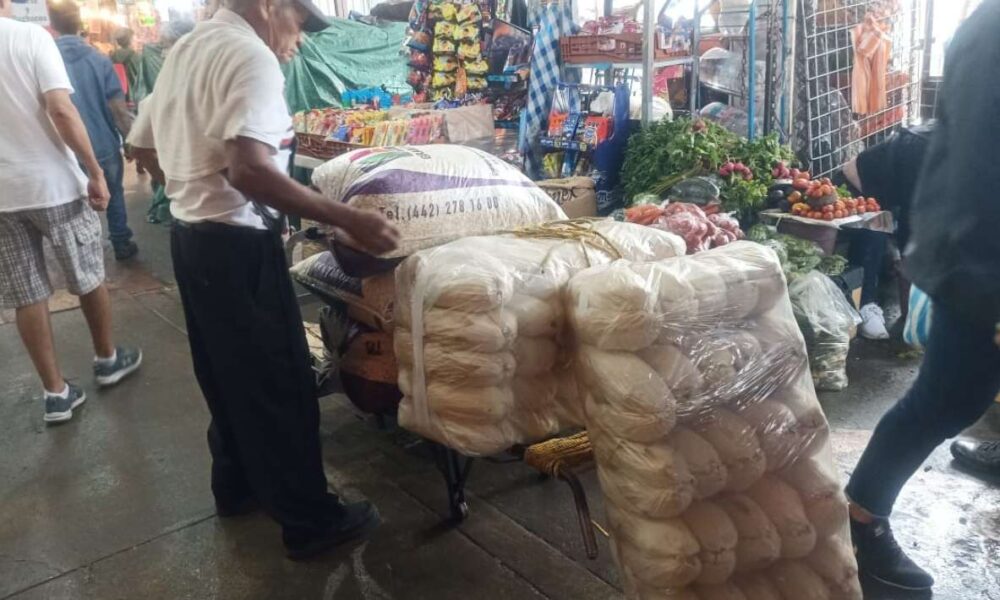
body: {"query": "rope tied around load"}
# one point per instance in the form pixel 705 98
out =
pixel 581 230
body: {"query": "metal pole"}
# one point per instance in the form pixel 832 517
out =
pixel 789 36
pixel 695 62
pixel 648 47
pixel 769 74
pixel 752 66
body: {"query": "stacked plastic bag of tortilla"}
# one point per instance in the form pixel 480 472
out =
pixel 480 335
pixel 712 450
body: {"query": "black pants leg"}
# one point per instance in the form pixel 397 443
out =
pixel 251 360
pixel 958 381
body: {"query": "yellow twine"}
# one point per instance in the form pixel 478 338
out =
pixel 581 230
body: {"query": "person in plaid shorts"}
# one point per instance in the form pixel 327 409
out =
pixel 45 195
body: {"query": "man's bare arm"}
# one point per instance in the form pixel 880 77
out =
pixel 70 127
pixel 120 113
pixel 71 130
pixel 252 171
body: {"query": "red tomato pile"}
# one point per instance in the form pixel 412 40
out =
pixel 845 207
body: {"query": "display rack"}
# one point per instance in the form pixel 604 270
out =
pixel 828 131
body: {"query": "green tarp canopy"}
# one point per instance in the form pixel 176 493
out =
pixel 346 56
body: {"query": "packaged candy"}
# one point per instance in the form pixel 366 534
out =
pixel 556 121
pixel 476 83
pixel 469 13
pixel 441 94
pixel 443 11
pixel 595 130
pixel 445 64
pixel 476 67
pixel 444 29
pixel 468 32
pixel 469 50
pixel 440 80
pixel 443 46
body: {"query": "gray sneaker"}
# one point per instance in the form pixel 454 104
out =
pixel 126 361
pixel 60 410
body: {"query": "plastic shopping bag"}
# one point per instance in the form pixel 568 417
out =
pixel 918 319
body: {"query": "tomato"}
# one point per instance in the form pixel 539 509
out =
pixel 795 196
pixel 825 181
pixel 839 214
pixel 805 175
pixel 862 210
pixel 827 216
pixel 828 208
pixel 800 184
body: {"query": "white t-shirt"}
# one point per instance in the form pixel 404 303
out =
pixel 37 170
pixel 218 83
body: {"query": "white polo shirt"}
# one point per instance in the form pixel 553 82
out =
pixel 37 170
pixel 218 83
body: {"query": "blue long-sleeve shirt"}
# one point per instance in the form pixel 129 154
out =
pixel 94 83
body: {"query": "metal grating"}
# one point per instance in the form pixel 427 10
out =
pixel 828 131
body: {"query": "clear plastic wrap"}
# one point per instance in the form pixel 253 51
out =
pixel 480 331
pixel 828 322
pixel 712 450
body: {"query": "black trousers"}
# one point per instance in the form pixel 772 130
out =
pixel 958 380
pixel 252 363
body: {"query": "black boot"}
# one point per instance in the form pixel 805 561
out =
pixel 983 457
pixel 881 558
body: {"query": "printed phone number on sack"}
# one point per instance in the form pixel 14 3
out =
pixel 433 210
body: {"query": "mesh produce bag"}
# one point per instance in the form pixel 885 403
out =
pixel 483 360
pixel 712 450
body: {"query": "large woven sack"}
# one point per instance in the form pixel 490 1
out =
pixel 435 194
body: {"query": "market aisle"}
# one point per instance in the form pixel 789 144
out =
pixel 116 504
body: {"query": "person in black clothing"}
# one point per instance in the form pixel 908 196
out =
pixel 954 256
pixel 887 172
